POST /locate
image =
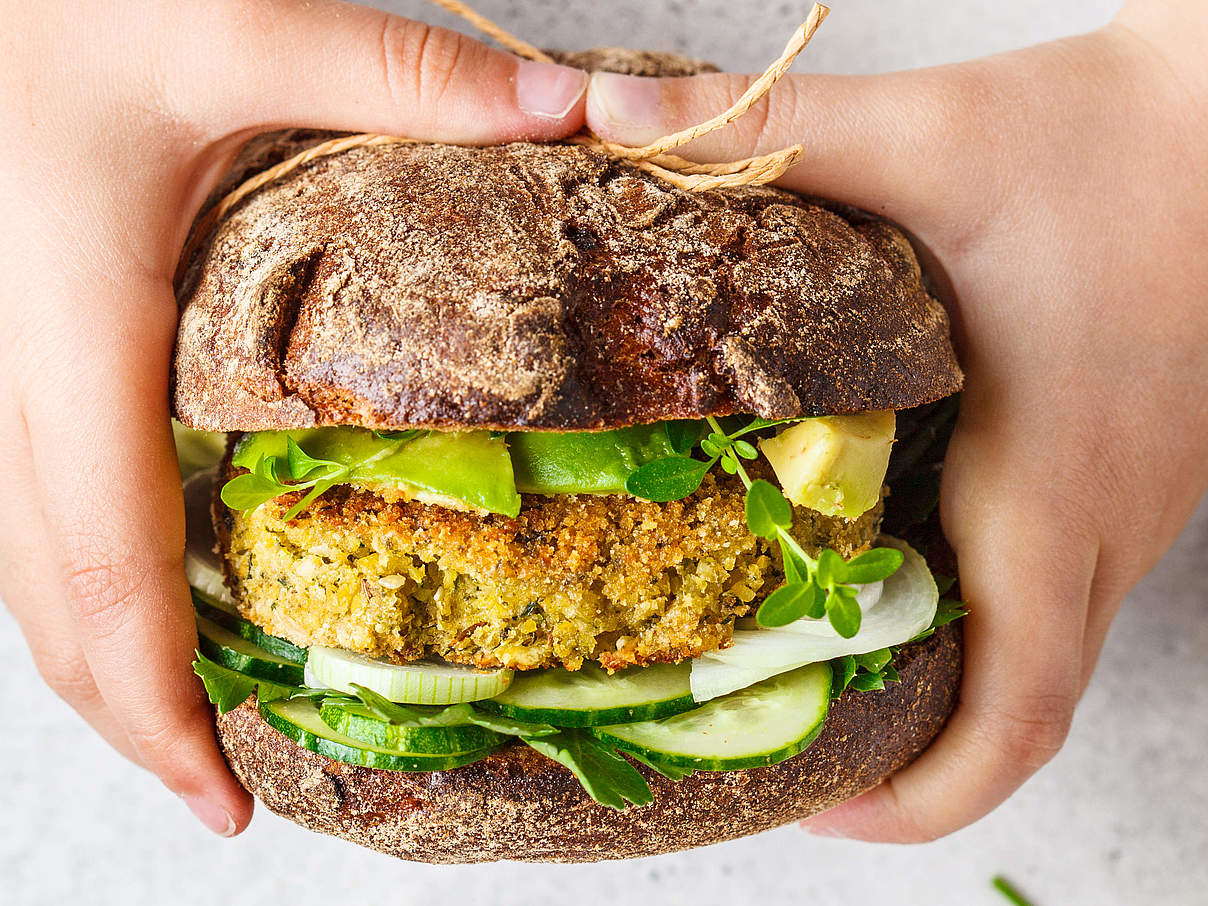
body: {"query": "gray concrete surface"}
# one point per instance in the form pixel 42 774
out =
pixel 1120 817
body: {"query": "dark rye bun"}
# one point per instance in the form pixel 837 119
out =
pixel 519 805
pixel 541 287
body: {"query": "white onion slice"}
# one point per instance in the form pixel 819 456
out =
pixel 905 607
pixel 202 569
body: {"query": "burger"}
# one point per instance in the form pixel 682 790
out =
pixel 562 514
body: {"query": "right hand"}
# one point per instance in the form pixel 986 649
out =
pixel 1063 189
pixel 119 116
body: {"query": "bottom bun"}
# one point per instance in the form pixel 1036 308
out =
pixel 519 805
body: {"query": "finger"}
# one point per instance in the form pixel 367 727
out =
pixel 1026 571
pixel 30 586
pixel 340 66
pixel 870 140
pixel 112 499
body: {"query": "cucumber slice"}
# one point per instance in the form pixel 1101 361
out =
pixel 358 722
pixel 236 653
pixel 229 619
pixel 299 720
pixel 417 683
pixel 589 697
pixel 754 727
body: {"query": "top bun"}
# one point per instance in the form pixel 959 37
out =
pixel 540 287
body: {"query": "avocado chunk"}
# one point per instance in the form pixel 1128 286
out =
pixel 834 464
pixel 472 467
pixel 584 462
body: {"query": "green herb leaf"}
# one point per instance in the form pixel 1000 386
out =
pixel 831 569
pixel 874 661
pixel 873 565
pixel 248 491
pixel 404 715
pixel 1010 891
pixel 745 450
pixel 301 463
pixel 713 445
pixel 843 670
pixel 608 778
pixel 320 487
pixel 758 424
pixel 795 569
pixel 670 771
pixel 868 682
pixel 228 689
pixel 767 510
pixel 682 434
pixel 843 611
pixel 787 604
pixel 509 726
pixel 415 434
pixel 949 610
pixel 943 584
pixel 447 716
pixel 670 478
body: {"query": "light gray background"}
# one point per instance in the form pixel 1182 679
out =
pixel 1118 818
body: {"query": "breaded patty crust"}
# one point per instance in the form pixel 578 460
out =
pixel 608 578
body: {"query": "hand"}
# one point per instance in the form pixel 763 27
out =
pixel 118 119
pixel 1063 191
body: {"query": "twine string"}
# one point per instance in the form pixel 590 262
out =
pixel 487 27
pixel 653 158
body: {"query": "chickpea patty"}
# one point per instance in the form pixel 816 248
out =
pixel 613 579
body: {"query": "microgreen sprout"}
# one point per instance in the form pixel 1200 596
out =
pixel 273 476
pixel 814 587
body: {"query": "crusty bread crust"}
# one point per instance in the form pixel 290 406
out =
pixel 519 805
pixel 544 287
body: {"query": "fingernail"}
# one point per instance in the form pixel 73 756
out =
pixel 629 103
pixel 547 89
pixel 822 830
pixel 211 815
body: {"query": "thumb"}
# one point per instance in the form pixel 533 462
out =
pixel 340 66
pixel 872 141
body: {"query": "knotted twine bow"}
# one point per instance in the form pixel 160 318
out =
pixel 653 158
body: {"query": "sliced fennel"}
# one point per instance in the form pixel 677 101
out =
pixel 415 683
pixel 905 608
pixel 202 568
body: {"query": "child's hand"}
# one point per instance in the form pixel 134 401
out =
pixel 118 117
pixel 1064 192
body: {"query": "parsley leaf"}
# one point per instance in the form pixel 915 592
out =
pixel 949 609
pixel 228 689
pixel 670 771
pixel 608 778
pixel 446 716
pixel 509 726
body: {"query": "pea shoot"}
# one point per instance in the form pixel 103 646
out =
pixel 273 476
pixel 814 588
